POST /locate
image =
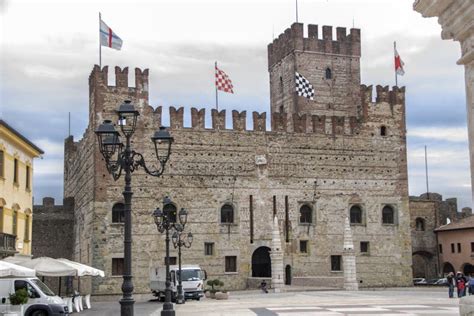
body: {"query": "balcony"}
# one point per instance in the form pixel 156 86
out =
pixel 7 244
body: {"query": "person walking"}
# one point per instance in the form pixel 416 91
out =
pixel 451 284
pixel 263 286
pixel 461 284
pixel 471 284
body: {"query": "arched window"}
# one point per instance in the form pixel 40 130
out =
pixel 118 213
pixel 281 85
pixel 306 214
pixel 388 215
pixel 356 214
pixel 227 213
pixel 328 73
pixel 420 224
pixel 383 131
pixel 170 210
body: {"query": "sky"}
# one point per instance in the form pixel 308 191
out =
pixel 48 49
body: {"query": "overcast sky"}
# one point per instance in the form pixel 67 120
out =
pixel 48 49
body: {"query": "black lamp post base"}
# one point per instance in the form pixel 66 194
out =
pixel 126 307
pixel 168 312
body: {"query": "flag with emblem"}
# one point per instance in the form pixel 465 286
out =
pixel 223 82
pixel 108 37
pixel 303 87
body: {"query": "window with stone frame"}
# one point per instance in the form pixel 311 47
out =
pixel 173 261
pixel 303 246
pixel 230 263
pixel 364 247
pixel 440 246
pixel 171 211
pixel 27 179
pixel 388 215
pixel 383 130
pixel 420 224
pixel 328 73
pixel 306 214
pixel 227 214
pixel 355 214
pixel 117 266
pixel 2 164
pixel 208 248
pixel 15 171
pixel 336 263
pixel 118 213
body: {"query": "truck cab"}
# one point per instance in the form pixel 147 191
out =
pixel 193 278
pixel 41 300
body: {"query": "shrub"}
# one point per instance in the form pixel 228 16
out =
pixel 214 284
pixel 19 297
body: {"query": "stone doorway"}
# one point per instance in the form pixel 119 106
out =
pixel 261 263
pixel 288 275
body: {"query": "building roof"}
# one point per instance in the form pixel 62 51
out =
pixel 23 138
pixel 464 223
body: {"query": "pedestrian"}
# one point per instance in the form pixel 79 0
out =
pixel 263 286
pixel 461 284
pixel 471 284
pixel 451 284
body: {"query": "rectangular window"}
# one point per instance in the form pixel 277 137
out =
pixel 364 247
pixel 27 228
pixel 336 263
pixel 27 180
pixel 440 246
pixel 303 246
pixel 2 163
pixel 117 266
pixel 15 171
pixel 472 246
pixel 459 247
pixel 230 264
pixel 208 248
pixel 453 250
pixel 173 261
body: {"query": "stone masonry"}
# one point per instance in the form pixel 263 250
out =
pixel 340 150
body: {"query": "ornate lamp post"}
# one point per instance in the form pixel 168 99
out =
pixel 120 158
pixel 165 221
pixel 179 242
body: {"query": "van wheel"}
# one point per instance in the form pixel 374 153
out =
pixel 39 312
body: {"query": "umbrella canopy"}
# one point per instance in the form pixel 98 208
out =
pixel 45 266
pixel 10 269
pixel 16 259
pixel 83 269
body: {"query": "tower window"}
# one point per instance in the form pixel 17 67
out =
pixel 383 131
pixel 420 224
pixel 388 215
pixel 355 214
pixel 118 213
pixel 328 73
pixel 227 214
pixel 305 214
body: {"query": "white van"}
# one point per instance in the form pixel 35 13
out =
pixel 41 301
pixel 192 280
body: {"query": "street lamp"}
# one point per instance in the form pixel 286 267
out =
pixel 120 158
pixel 165 221
pixel 178 242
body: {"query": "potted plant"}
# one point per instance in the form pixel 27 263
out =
pixel 214 284
pixel 18 299
pixel 222 295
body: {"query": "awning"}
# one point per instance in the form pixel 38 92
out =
pixel 9 269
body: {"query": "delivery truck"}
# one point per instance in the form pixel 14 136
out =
pixel 193 278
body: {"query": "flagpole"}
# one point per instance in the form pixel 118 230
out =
pixel 100 45
pixel 217 100
pixel 69 124
pixel 296 11
pixel 394 50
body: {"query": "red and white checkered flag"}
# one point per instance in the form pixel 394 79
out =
pixel 223 82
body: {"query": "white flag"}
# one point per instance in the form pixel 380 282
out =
pixel 108 37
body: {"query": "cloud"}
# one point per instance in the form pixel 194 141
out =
pixel 448 134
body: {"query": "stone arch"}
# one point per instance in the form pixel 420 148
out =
pixel 227 213
pixel 261 263
pixel 2 202
pixel 424 264
pixel 171 210
pixel 467 269
pixel 448 267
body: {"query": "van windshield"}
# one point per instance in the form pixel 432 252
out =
pixel 190 275
pixel 43 287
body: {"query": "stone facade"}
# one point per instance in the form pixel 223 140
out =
pixel 341 150
pixel 456 18
pixel 428 212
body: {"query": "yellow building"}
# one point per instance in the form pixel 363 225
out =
pixel 16 191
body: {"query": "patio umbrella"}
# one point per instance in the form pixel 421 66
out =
pixel 83 269
pixel 10 269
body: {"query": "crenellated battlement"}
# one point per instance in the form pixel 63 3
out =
pixel 293 39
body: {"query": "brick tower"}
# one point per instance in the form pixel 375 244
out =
pixel 332 67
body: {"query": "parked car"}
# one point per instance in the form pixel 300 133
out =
pixel 419 281
pixel 442 282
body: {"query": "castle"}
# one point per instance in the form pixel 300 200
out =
pixel 341 155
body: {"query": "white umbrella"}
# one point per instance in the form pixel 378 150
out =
pixel 45 266
pixel 16 259
pixel 83 269
pixel 10 269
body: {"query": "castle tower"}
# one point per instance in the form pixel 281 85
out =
pixel 332 67
pixel 349 259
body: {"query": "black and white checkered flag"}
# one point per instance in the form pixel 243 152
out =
pixel 303 87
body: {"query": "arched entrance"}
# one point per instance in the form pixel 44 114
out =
pixel 288 275
pixel 448 267
pixel 424 265
pixel 261 263
pixel 468 269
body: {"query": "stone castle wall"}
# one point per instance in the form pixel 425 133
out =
pixel 348 159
